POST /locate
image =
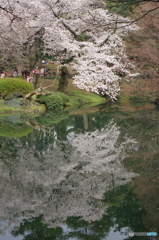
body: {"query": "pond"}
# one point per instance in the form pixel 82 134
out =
pixel 89 175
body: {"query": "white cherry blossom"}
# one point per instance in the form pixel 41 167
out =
pixel 83 29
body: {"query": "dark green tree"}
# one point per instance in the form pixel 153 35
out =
pixel 125 7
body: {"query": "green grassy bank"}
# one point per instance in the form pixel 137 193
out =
pixel 77 99
pixel 32 108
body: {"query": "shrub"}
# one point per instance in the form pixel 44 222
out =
pixel 51 101
pixel 54 102
pixel 42 98
pixel 10 85
pixel 63 96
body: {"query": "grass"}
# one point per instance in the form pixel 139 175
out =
pixel 9 85
pixel 84 99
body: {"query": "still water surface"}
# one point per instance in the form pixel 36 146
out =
pixel 91 175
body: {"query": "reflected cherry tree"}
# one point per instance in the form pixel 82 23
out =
pixel 58 179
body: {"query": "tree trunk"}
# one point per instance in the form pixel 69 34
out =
pixel 63 81
pixel 36 80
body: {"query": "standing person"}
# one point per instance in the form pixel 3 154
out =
pixel 15 72
pixel 42 72
pixel 27 73
pixel 45 71
pixel 36 74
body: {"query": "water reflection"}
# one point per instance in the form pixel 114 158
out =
pixel 79 177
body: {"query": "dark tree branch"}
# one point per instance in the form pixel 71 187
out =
pixel 10 12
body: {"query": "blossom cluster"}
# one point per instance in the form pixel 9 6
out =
pixel 83 29
pixel 94 37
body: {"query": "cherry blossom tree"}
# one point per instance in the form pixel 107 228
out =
pixel 83 31
pixel 17 31
pixel 88 34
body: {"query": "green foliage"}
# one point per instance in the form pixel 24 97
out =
pixel 10 85
pixel 80 98
pixel 82 37
pixel 42 98
pixel 64 15
pixel 63 96
pixel 54 102
pixel 32 107
pixel 14 130
pixel 121 7
pixel 51 117
pixel 47 77
pixel 35 229
pixel 51 101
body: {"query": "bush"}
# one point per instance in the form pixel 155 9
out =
pixel 10 85
pixel 42 98
pixel 54 102
pixel 63 96
pixel 51 101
